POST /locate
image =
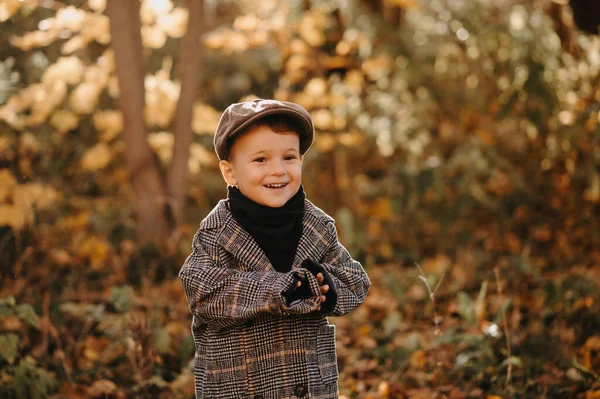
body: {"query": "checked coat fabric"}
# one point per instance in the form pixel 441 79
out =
pixel 249 342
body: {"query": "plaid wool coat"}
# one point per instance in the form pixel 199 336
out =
pixel 249 342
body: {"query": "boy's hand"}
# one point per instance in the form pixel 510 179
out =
pixel 323 287
pixel 326 285
pixel 300 289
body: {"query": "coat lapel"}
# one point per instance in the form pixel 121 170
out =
pixel 239 243
pixel 315 240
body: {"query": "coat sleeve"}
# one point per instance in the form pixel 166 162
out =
pixel 226 297
pixel 351 281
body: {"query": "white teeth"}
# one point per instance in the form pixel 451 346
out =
pixel 275 185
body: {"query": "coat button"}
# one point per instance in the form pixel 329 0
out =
pixel 300 391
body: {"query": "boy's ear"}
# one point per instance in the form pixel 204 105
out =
pixel 227 172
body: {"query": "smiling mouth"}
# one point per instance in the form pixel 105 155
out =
pixel 275 185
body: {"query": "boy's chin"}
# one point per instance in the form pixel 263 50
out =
pixel 274 204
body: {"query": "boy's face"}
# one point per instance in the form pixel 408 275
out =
pixel 266 166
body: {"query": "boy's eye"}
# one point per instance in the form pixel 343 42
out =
pixel 260 159
pixel 290 157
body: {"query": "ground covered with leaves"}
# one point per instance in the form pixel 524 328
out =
pixel 436 329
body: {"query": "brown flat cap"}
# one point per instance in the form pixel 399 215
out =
pixel 239 116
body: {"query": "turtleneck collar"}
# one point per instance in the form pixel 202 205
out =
pixel 276 230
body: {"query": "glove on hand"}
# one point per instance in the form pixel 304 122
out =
pixel 331 295
pixel 301 300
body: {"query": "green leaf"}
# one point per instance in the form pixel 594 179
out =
pixel 31 382
pixel 6 311
pixel 26 313
pixel 122 298
pixel 83 310
pixel 8 301
pixel 162 340
pixel 9 343
pixel 466 308
pixel 515 361
pixel 158 381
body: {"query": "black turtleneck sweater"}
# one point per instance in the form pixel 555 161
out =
pixel 276 230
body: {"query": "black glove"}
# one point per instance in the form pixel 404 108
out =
pixel 331 295
pixel 294 293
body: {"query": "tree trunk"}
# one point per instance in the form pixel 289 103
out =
pixel 191 57
pixel 152 210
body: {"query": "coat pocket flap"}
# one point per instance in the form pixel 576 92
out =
pixel 326 354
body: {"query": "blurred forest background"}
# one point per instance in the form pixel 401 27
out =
pixel 457 147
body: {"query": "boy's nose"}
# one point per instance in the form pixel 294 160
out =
pixel 277 169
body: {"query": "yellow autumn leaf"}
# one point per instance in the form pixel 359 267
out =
pixel 33 39
pixel 28 144
pixel 109 123
pixel 153 37
pixel 70 18
pixel 592 193
pixel 102 389
pixel 112 87
pixel 200 156
pixel 205 119
pixel 377 67
pixel 94 346
pixel 97 157
pixel 8 8
pixel 10 115
pixel 161 99
pixel 5 147
pixel 158 7
pixel 593 395
pixel 73 44
pixel 404 3
pixel 77 222
pixel 60 256
pixel 97 27
pixel 311 28
pixel 381 208
pixel 384 390
pixel 322 119
pixel 84 98
pixel 418 359
pixel 64 120
pixel 12 216
pixel 354 81
pixel 325 142
pixel 247 22
pixel 7 185
pixel 258 38
pixel 162 145
pixel 316 87
pixel 214 40
pixel 351 139
pixel 66 69
pixel 45 101
pixel 97 5
pixel 174 24
pixel 32 196
pixel 235 41
pixel 95 250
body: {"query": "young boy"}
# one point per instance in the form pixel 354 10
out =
pixel 266 267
